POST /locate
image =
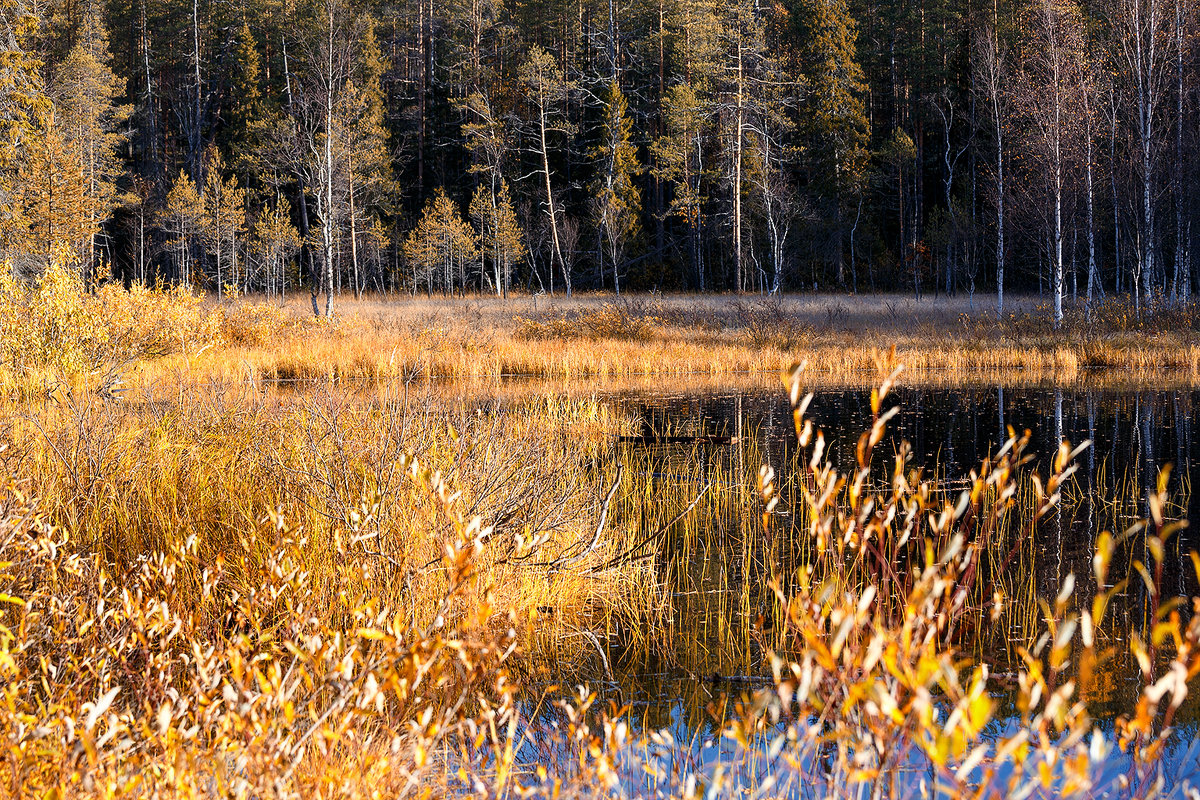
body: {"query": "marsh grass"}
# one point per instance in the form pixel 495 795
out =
pixel 104 338
pixel 698 506
pixel 220 586
pixel 127 479
pixel 684 337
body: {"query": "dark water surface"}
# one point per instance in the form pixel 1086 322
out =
pixel 1134 433
pixel 1134 436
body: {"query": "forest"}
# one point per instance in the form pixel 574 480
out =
pixel 377 146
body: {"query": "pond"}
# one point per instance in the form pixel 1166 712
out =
pixel 711 651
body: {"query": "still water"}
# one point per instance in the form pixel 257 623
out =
pixel 676 685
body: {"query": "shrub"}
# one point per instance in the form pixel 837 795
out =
pixel 159 681
pixel 768 322
pixel 257 324
pixel 627 321
pixel 54 324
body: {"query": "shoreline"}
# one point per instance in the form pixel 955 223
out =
pixel 599 337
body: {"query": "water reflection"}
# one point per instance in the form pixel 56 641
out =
pixel 1134 433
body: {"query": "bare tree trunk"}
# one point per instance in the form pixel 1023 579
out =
pixel 1116 202
pixel 142 243
pixel 1182 288
pixel 194 137
pixel 1058 254
pixel 737 171
pixel 1091 226
pixel 306 259
pixel 545 153
pixel 327 217
pixel 999 218
pixel 220 247
pixel 1145 68
pixel 358 283
pixel 992 64
pixel 1058 195
pixel 853 231
pixel 422 92
pixel 151 134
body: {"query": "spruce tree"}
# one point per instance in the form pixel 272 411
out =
pixel 834 121
pixel 246 112
pixel 679 155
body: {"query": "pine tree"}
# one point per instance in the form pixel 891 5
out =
pixel 441 244
pixel 617 201
pixel 486 137
pixel 744 54
pixel 363 156
pixel 275 242
pixel 183 219
pixel 223 223
pixel 375 245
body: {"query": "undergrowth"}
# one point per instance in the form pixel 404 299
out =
pixel 54 328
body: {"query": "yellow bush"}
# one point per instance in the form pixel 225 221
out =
pixel 54 323
pixel 630 321
pixel 257 324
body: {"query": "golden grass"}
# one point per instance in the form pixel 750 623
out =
pixel 342 587
pixel 603 338
pixel 126 479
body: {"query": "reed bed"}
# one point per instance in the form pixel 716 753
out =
pixel 217 466
pixel 212 584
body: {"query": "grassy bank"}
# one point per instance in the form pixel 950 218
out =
pixel 599 337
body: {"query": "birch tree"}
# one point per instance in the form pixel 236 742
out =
pixel 1049 98
pixel 545 91
pixel 1143 37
